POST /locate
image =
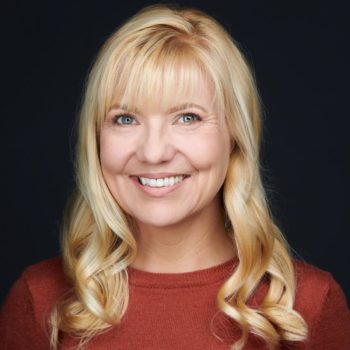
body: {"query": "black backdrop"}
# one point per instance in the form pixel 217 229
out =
pixel 299 52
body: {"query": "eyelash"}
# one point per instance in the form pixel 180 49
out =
pixel 117 117
pixel 193 115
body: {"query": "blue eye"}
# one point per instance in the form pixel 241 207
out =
pixel 124 119
pixel 189 118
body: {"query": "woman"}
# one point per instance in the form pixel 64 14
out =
pixel 168 242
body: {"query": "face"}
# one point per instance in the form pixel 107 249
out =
pixel 164 167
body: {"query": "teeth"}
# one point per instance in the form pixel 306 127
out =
pixel 163 182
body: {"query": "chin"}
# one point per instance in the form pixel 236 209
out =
pixel 159 215
pixel 156 222
pixel 161 218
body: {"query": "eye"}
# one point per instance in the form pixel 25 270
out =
pixel 124 119
pixel 189 118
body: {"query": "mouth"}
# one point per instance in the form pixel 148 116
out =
pixel 161 181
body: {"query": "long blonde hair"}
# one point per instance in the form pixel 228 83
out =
pixel 157 47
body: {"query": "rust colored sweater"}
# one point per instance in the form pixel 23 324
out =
pixel 173 311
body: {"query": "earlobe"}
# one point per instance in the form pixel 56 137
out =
pixel 233 145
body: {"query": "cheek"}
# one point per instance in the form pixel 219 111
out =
pixel 209 150
pixel 113 153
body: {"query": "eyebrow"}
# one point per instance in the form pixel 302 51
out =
pixel 170 110
pixel 185 106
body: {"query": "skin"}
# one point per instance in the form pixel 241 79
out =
pixel 182 230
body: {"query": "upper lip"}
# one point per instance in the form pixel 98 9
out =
pixel 158 175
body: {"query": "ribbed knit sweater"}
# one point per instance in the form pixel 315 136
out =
pixel 173 311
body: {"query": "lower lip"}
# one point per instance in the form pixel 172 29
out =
pixel 157 191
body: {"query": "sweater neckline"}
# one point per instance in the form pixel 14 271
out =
pixel 201 277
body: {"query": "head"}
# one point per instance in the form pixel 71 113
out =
pixel 162 58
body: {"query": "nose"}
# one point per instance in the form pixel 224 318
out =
pixel 155 146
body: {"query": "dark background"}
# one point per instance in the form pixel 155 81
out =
pixel 299 52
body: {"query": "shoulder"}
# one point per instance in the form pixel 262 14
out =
pixel 45 279
pixel 43 272
pixel 313 285
pixel 312 280
pixel 319 297
pixel 309 276
pixel 42 283
pixel 24 314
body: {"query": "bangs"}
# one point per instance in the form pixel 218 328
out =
pixel 159 76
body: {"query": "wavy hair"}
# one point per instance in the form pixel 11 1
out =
pixel 159 47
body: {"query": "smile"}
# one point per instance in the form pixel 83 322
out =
pixel 161 182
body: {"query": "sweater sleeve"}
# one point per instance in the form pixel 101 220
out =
pixel 18 326
pixel 332 328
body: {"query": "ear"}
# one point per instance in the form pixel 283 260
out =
pixel 233 145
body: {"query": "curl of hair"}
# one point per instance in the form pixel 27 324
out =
pixel 160 45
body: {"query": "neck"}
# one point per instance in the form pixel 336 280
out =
pixel 196 243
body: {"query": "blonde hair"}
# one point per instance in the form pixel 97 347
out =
pixel 157 47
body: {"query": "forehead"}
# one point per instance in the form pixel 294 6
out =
pixel 162 82
pixel 169 98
